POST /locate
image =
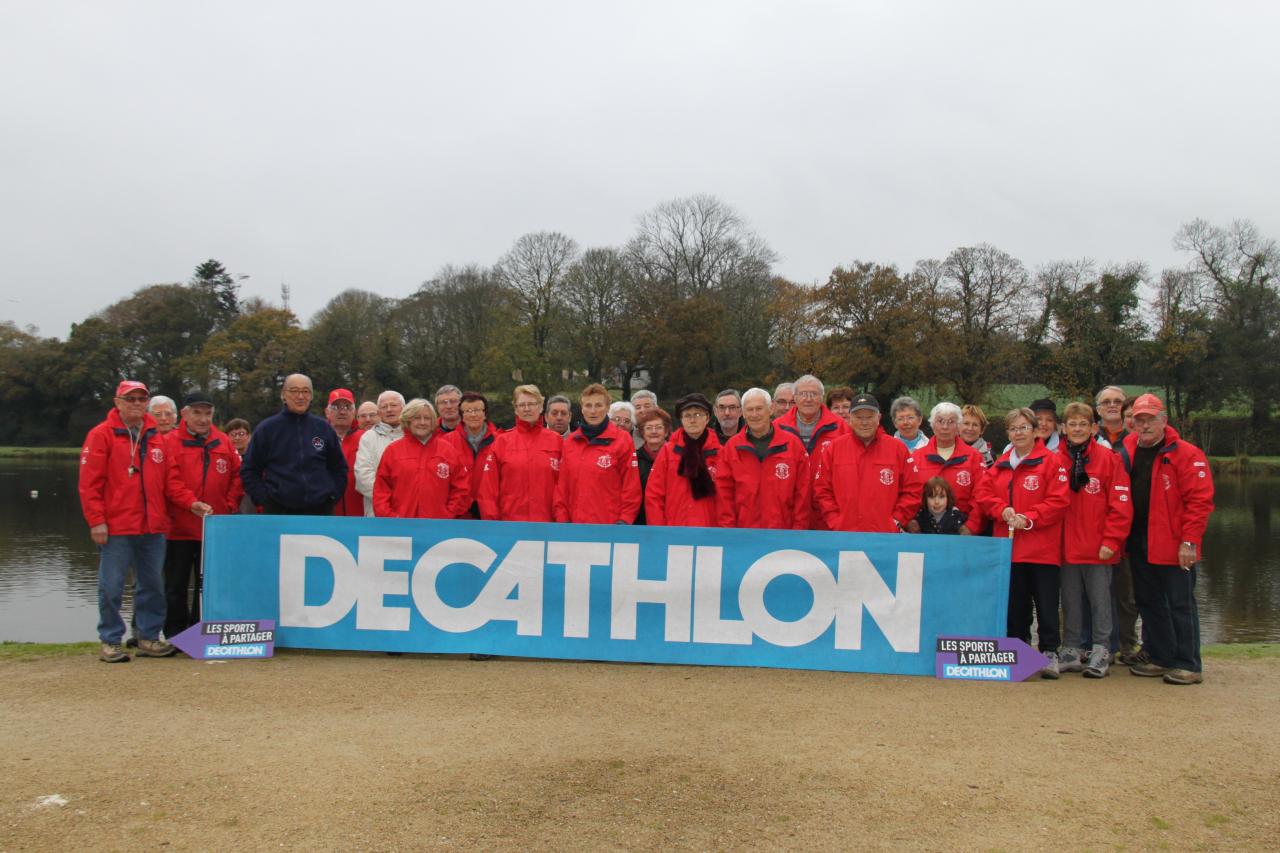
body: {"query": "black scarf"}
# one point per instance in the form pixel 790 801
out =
pixel 693 467
pixel 594 431
pixel 1079 459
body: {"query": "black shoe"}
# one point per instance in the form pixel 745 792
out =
pixel 131 643
pixel 482 657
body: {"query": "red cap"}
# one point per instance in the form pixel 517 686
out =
pixel 341 394
pixel 131 385
pixel 1147 404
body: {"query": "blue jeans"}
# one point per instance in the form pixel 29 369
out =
pixel 145 552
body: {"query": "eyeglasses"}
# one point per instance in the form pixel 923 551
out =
pixel 342 407
pixel 298 392
pixel 1020 428
pixel 808 395
pixel 135 398
pixel 692 414
pixel 1111 402
pixel 527 404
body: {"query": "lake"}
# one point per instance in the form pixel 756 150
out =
pixel 49 590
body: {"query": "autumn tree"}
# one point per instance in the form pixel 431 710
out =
pixel 533 270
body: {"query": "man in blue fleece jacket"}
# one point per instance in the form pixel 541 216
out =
pixel 294 465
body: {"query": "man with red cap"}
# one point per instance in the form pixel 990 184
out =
pixel 123 477
pixel 1172 500
pixel 341 415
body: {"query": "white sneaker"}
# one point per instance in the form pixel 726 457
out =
pixel 1051 668
pixel 1069 660
pixel 1099 663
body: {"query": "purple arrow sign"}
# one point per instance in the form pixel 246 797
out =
pixel 229 639
pixel 986 659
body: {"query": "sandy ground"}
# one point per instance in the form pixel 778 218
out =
pixel 346 751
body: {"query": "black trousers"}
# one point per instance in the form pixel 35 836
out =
pixel 272 507
pixel 1166 597
pixel 1034 584
pixel 181 593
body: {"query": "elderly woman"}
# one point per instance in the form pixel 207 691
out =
pixel 421 474
pixel 906 415
pixel 519 471
pixel 946 455
pixel 473 437
pixel 655 428
pixel 623 415
pixel 1026 494
pixel 599 481
pixel 165 411
pixel 973 423
pixel 682 490
pixel 840 402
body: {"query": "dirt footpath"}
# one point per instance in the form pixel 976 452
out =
pixel 345 751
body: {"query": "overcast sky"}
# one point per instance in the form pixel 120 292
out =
pixel 367 144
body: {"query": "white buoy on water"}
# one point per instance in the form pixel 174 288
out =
pixel 34 494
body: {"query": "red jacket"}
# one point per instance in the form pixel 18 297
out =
pixel 352 502
pixel 599 481
pixel 1181 496
pixel 771 492
pixel 828 428
pixel 200 469
pixel 1038 489
pixel 668 498
pixel 963 471
pixel 866 488
pixel 417 480
pixel 1101 512
pixel 458 438
pixel 129 504
pixel 519 474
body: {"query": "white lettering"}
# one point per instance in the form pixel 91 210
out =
pixel 374 583
pixel 708 627
pixel 673 592
pixel 519 572
pixel 896 613
pixel 577 559
pixel 808 568
pixel 295 550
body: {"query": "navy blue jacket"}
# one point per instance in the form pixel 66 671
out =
pixel 296 461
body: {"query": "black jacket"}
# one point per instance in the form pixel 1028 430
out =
pixel 951 522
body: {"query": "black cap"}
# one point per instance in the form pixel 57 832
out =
pixel 696 401
pixel 865 401
pixel 1044 404
pixel 196 398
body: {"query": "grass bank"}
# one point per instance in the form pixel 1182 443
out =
pixel 38 452
pixel 1266 466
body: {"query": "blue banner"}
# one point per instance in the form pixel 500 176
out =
pixel 855 602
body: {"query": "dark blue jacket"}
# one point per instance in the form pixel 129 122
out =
pixel 296 461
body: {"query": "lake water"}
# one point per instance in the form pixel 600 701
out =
pixel 48 565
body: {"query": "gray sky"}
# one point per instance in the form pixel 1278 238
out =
pixel 367 144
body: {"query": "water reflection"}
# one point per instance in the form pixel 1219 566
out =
pixel 49 586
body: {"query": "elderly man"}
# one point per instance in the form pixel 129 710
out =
pixel 448 399
pixel 367 415
pixel 867 481
pixel 204 480
pixel 1109 404
pixel 728 422
pixel 165 413
pixel 559 415
pixel 1172 501
pixel 784 397
pixel 762 478
pixel 811 421
pixel 641 402
pixel 123 479
pixel 295 464
pixel 374 442
pixel 341 415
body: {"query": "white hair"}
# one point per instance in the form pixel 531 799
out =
pixel 784 386
pixel 809 377
pixel 447 389
pixel 390 393
pixel 161 400
pixel 905 403
pixel 944 408
pixel 622 406
pixel 1097 398
pixel 757 392
pixel 644 395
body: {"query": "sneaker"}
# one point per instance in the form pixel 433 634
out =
pixel 131 643
pixel 1148 669
pixel 112 653
pixel 1099 663
pixel 1131 656
pixel 1069 660
pixel 1051 668
pixel 1183 676
pixel 155 649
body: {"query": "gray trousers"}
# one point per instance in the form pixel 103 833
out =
pixel 1081 582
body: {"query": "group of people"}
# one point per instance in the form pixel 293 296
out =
pixel 1106 507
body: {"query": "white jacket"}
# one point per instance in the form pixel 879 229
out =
pixel 372 444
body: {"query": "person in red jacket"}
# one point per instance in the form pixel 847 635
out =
pixel 762 478
pixel 1172 501
pixel 472 439
pixel 520 469
pixel 867 482
pixel 948 456
pixel 1025 493
pixel 341 415
pixel 682 485
pixel 599 479
pixel 815 425
pixel 204 471
pixel 421 474
pixel 1093 536
pixel 123 478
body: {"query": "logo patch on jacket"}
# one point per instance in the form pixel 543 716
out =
pixel 1031 483
pixel 886 476
pixel 1093 486
pixel 442 470
pixel 555 463
pixel 963 478
pixel 1168 484
pixel 221 466
pixel 604 461
pixel 317 443
pixel 782 470
pixel 157 455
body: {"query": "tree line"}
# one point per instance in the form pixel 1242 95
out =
pixel 690 302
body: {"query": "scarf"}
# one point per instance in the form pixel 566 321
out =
pixel 1079 459
pixel 694 468
pixel 594 431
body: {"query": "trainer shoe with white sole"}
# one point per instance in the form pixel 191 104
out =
pixel 1183 676
pixel 112 653
pixel 155 649
pixel 1051 668
pixel 1148 670
pixel 1099 663
pixel 1069 660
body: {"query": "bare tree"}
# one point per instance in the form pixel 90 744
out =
pixel 595 293
pixel 534 270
